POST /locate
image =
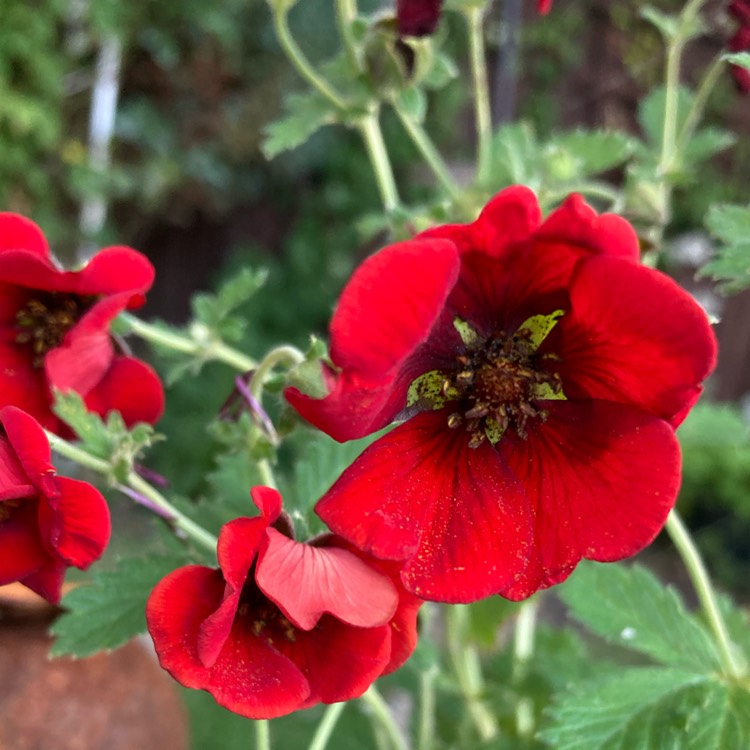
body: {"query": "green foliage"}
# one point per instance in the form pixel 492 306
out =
pixel 731 225
pixel 110 610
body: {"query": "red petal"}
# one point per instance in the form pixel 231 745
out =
pixel 130 387
pixel 25 386
pixel 48 580
pixel 21 550
pixel 306 582
pixel 114 270
pixel 31 447
pixel 248 677
pixel 19 233
pixel 576 224
pixel 32 271
pixel 78 527
pixel 417 17
pixel 602 478
pixel 455 515
pixel 14 482
pixel 634 336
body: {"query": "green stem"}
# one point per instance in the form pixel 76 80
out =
pixel 160 504
pixel 301 63
pixel 696 569
pixel 478 58
pixel 699 102
pixel 262 735
pixel 205 349
pixel 369 127
pixel 279 356
pixel 346 14
pixel 429 153
pixel 467 668
pixel 266 473
pixel 384 718
pixel 523 650
pixel 326 726
pixel 671 101
pixel 426 737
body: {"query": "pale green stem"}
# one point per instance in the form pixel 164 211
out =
pixel 696 569
pixel 699 102
pixel 205 349
pixel 381 712
pixel 326 726
pixel 262 735
pixel 369 127
pixel 672 90
pixel 523 650
pixel 301 63
pixel 478 58
pixel 429 153
pixel 593 189
pixel 266 474
pixel 426 736
pixel 467 668
pixel 346 14
pixel 281 355
pixel 163 507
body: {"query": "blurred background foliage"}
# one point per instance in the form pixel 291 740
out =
pixel 189 186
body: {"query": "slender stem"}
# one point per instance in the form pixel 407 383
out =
pixel 691 558
pixel 699 102
pixel 369 127
pixel 346 14
pixel 301 63
pixel 162 506
pixel 280 355
pixel 482 114
pixel 382 714
pixel 206 349
pixel 326 726
pixel 262 735
pixel 672 90
pixel 468 671
pixel 523 650
pixel 426 737
pixel 266 474
pixel 429 153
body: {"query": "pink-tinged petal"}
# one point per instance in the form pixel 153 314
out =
pixel 248 677
pixel 576 224
pixel 21 550
pixel 130 387
pixel 602 478
pixel 78 527
pixel 32 448
pixel 339 661
pixel 48 580
pixel 115 270
pixel 307 582
pixel 456 516
pixel 635 336
pixel 19 233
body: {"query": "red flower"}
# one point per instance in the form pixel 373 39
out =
pixel 283 625
pixel 544 6
pixel 47 523
pixel 417 17
pixel 537 372
pixel 54 329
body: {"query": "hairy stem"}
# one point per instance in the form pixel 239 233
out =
pixel 326 726
pixel 369 127
pixel 482 113
pixel 383 717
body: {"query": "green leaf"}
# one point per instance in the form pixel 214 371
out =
pixel 714 425
pixel 412 102
pixel 516 156
pixel 667 24
pixel 628 606
pixel 596 151
pixel 731 225
pixel 442 71
pixel 738 58
pixel 109 611
pixel 305 114
pixel 651 709
pixel 705 143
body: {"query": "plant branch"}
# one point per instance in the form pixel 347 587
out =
pixel 326 726
pixel 369 127
pixel 482 113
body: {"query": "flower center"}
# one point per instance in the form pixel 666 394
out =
pixel 8 508
pixel 44 320
pixel 266 619
pixel 497 384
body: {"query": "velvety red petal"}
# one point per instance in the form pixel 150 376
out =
pixel 544 6
pixel 456 516
pixel 19 233
pixel 130 387
pixel 25 386
pixel 78 526
pixel 633 335
pixel 32 448
pixel 602 478
pixel 48 580
pixel 249 677
pixel 339 661
pixel 114 270
pixel 306 582
pixel 21 550
pixel 33 271
pixel 576 224
pixel 14 482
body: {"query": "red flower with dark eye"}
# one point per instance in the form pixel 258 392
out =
pixel 54 329
pixel 536 373
pixel 47 523
pixel 417 17
pixel 282 625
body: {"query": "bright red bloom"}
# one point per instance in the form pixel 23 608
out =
pixel 47 523
pixel 54 329
pixel 282 625
pixel 417 17
pixel 544 6
pixel 537 373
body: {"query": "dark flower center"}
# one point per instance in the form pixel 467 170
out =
pixel 497 383
pixel 8 508
pixel 44 320
pixel 266 619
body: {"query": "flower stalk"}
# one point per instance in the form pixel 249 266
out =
pixel 369 128
pixel 326 726
pixel 482 113
pixel 382 716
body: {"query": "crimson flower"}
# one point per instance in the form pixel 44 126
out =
pixel 417 17
pixel 536 372
pixel 282 625
pixel 54 329
pixel 47 523
pixel 544 6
